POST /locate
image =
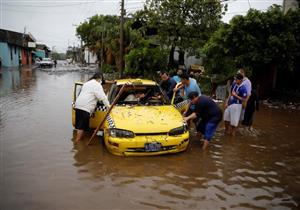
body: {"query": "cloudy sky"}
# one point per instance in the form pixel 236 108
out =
pixel 53 22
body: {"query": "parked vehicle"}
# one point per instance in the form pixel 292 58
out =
pixel 139 127
pixel 46 62
pixel 37 61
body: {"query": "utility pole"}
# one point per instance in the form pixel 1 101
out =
pixel 249 4
pixel 81 53
pixel 122 39
pixel 102 49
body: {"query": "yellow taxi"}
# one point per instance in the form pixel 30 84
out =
pixel 143 122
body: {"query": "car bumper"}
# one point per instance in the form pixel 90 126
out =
pixel 136 146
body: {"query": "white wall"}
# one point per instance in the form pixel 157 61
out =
pixel 89 57
pixel 290 4
pixel 188 60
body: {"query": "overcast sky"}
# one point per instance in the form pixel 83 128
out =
pixel 53 22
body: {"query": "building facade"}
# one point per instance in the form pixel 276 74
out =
pixel 89 57
pixel 42 51
pixel 27 52
pixel 14 48
pixel 290 5
pixel 10 55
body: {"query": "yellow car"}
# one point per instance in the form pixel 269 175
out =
pixel 143 121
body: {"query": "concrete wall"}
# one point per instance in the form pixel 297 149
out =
pixel 9 54
pixel 290 4
pixel 4 55
pixel 89 57
pixel 188 60
pixel 26 57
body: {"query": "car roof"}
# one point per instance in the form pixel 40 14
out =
pixel 130 82
pixel 135 82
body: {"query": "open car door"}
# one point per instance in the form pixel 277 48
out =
pixel 97 116
pixel 181 106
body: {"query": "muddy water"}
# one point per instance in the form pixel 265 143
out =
pixel 41 168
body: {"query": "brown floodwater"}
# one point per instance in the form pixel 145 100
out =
pixel 41 168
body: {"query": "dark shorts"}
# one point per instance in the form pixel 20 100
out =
pixel 248 117
pixel 82 120
pixel 207 129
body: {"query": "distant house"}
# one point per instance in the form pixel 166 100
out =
pixel 14 48
pixel 89 57
pixel 74 53
pixel 189 59
pixel 42 51
pixel 27 52
pixel 290 5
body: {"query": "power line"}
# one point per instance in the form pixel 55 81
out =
pixel 63 1
pixel 37 12
pixel 227 1
pixel 244 12
pixel 44 1
pixel 57 6
pixel 249 4
pixel 80 13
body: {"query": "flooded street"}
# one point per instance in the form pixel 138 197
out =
pixel 41 168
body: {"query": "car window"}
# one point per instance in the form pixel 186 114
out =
pixel 142 95
pixel 78 88
pixel 112 93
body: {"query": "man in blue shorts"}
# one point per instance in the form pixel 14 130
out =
pixel 208 112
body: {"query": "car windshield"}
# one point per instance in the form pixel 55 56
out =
pixel 46 59
pixel 142 95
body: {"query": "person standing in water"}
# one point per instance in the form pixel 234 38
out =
pixel 91 92
pixel 208 115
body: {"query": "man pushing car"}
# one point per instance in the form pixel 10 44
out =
pixel 208 115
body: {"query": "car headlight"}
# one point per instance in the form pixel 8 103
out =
pixel 178 131
pixel 118 133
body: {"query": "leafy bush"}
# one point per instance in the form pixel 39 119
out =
pixel 108 68
pixel 145 60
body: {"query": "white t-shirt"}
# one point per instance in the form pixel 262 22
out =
pixel 91 92
pixel 247 83
pixel 131 97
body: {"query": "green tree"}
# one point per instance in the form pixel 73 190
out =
pixel 145 59
pixel 101 34
pixel 260 41
pixel 186 24
pixel 58 56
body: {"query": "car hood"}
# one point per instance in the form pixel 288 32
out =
pixel 146 119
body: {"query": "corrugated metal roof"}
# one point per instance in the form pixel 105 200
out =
pixel 12 37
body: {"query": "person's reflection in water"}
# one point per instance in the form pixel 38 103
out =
pixel 88 158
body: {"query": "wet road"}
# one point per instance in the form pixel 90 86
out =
pixel 41 168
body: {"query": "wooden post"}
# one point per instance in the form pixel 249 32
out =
pixel 107 113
